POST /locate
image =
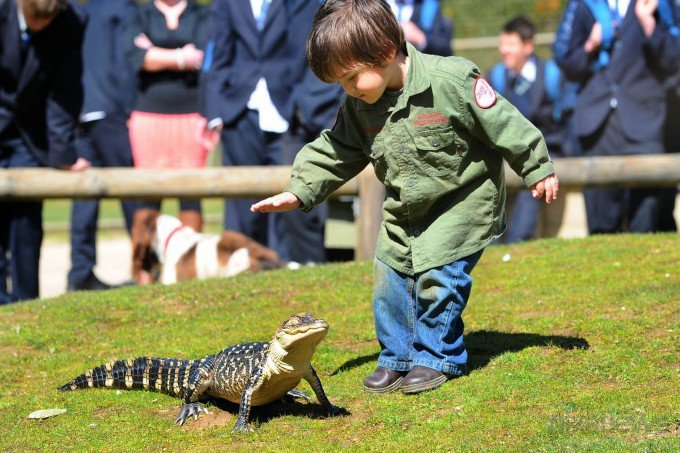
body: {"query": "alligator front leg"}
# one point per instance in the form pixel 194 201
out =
pixel 254 383
pixel 315 382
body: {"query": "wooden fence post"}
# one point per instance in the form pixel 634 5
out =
pixel 371 196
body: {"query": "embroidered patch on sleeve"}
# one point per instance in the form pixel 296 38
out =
pixel 485 96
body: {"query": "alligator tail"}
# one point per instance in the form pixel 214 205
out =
pixel 169 376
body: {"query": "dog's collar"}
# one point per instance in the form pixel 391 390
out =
pixel 172 233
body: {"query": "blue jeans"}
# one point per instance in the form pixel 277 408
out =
pixel 418 318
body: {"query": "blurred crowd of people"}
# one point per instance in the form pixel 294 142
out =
pixel 113 83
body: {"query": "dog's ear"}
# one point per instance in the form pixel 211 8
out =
pixel 263 258
pixel 143 231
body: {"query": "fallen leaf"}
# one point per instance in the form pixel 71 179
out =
pixel 46 413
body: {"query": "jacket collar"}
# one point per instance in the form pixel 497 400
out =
pixel 417 81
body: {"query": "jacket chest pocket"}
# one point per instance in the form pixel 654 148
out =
pixel 439 151
pixel 376 153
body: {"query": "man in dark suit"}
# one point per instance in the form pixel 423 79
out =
pixel 621 107
pixel 103 138
pixel 248 78
pixel 40 98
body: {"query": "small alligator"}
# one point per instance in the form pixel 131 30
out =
pixel 250 374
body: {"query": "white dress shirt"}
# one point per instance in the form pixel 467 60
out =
pixel 269 117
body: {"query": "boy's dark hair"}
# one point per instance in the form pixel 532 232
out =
pixel 521 25
pixel 351 33
pixel 45 8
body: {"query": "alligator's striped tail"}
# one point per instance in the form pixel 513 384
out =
pixel 169 376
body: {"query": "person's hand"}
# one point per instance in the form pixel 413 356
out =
pixel 80 165
pixel 548 186
pixel 286 201
pixel 143 42
pixel 595 39
pixel 206 137
pixel 193 57
pixel 644 10
pixel 413 34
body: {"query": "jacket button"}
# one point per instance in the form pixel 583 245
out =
pixel 402 149
pixel 613 103
pixel 435 143
pixel 410 183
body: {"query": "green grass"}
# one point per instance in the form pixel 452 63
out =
pixel 573 347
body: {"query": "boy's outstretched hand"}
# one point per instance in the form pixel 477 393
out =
pixel 282 202
pixel 548 186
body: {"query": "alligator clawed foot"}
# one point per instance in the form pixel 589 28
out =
pixel 336 411
pixel 188 410
pixel 242 427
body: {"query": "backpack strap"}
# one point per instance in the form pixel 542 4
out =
pixel 564 31
pixel 428 13
pixel 553 79
pixel 497 78
pixel 602 14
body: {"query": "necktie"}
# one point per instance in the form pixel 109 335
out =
pixel 259 20
pixel 520 85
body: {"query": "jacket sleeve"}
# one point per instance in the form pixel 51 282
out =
pixel 664 46
pixel 65 94
pixel 217 76
pixel 572 34
pixel 134 54
pixel 502 127
pixel 324 165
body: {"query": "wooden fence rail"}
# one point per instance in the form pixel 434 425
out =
pixel 257 182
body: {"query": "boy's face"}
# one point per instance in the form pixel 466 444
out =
pixel 369 83
pixel 514 51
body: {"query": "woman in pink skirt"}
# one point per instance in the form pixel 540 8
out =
pixel 165 47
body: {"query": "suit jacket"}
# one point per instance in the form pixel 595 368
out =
pixel 242 55
pixel 633 83
pixel 42 95
pixel 439 36
pixel 108 80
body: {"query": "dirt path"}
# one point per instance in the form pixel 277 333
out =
pixel 113 264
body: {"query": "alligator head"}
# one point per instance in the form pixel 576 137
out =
pixel 295 341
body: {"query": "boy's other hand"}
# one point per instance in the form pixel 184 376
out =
pixel 286 201
pixel 548 186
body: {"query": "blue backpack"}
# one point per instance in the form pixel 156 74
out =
pixel 561 95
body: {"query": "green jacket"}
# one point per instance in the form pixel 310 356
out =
pixel 439 155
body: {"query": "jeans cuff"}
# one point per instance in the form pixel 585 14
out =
pixel 447 368
pixel 395 365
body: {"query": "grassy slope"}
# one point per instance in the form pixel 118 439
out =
pixel 573 346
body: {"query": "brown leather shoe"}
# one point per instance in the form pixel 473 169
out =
pixel 421 379
pixel 383 380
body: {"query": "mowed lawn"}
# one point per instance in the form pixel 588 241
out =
pixel 573 346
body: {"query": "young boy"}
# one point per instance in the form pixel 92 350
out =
pixel 436 134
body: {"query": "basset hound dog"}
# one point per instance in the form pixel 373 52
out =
pixel 165 250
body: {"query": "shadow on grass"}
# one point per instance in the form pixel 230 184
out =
pixel 484 345
pixel 285 406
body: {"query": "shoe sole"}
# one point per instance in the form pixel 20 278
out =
pixel 390 388
pixel 424 386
